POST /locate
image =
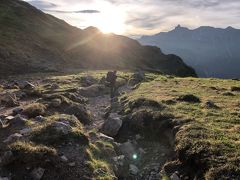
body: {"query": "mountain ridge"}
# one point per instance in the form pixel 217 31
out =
pixel 212 52
pixel 32 41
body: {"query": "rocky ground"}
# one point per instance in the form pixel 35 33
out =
pixel 67 127
pixel 158 127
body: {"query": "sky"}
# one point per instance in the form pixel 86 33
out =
pixel 143 17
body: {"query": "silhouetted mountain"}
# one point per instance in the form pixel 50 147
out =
pixel 212 52
pixel 32 41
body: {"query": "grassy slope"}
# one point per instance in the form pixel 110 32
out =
pixel 210 141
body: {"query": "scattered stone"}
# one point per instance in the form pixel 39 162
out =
pixel 25 131
pixel 4 178
pixel 106 138
pixel 7 158
pixel 18 120
pixel 20 94
pixel 9 118
pixel 64 159
pixel 210 104
pixel 56 103
pixel 1 124
pixel 37 173
pixel 80 112
pixel 39 118
pixel 17 110
pixel 133 169
pixel 175 176
pixel 62 127
pixel 138 137
pixel 13 138
pixel 72 164
pixel 111 126
pixel 25 85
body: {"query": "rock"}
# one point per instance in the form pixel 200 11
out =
pixel 127 149
pixel 18 120
pixel 56 103
pixel 1 124
pixel 94 90
pixel 9 99
pixel 25 131
pixel 133 169
pixel 105 138
pixel 210 104
pixel 39 118
pixel 175 176
pixel 111 126
pixel 13 138
pixel 37 173
pixel 62 127
pixel 7 158
pixel 72 164
pixel 80 112
pixel 25 85
pixel 20 94
pixel 9 118
pixel 138 137
pixel 4 178
pixel 189 98
pixel 17 110
pixel 64 159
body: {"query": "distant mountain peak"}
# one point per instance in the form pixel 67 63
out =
pixel 180 28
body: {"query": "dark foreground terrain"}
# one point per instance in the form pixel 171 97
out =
pixel 158 127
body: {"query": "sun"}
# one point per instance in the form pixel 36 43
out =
pixel 111 20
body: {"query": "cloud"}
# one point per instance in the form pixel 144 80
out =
pixel 146 16
pixel 90 11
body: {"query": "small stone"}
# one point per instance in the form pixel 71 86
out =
pixel 17 110
pixel 72 164
pixel 18 120
pixel 138 137
pixel 133 169
pixel 13 138
pixel 25 131
pixel 4 178
pixel 9 118
pixel 175 176
pixel 64 159
pixel 37 173
pixel 39 118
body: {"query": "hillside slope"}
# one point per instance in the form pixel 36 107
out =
pixel 34 41
pixel 212 52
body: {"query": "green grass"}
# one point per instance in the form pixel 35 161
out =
pixel 212 136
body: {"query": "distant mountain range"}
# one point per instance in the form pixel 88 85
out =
pixel 212 52
pixel 32 41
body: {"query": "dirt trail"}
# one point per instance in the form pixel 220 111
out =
pixel 154 152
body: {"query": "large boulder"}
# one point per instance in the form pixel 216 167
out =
pixel 80 111
pixel 9 99
pixel 94 90
pixel 111 126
